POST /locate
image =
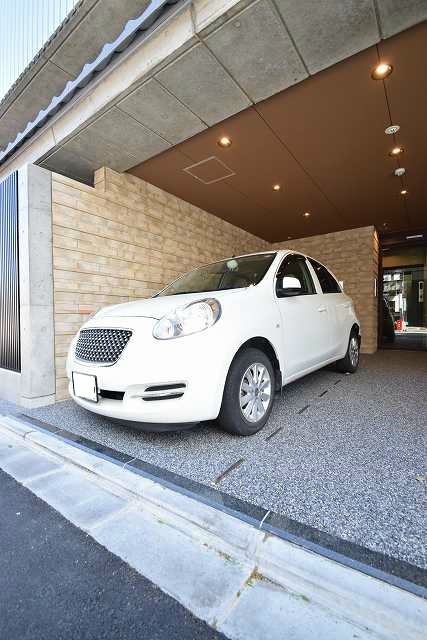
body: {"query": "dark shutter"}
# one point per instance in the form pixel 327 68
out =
pixel 10 343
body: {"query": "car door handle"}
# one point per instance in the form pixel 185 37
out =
pixel 321 309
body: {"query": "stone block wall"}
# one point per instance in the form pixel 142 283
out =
pixel 352 255
pixel 121 240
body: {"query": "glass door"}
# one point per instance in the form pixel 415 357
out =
pixel 404 305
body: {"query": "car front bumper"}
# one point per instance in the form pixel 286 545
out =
pixel 193 362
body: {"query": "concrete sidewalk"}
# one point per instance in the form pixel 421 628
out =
pixel 240 580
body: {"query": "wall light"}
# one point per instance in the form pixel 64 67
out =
pixel 381 71
pixel 224 142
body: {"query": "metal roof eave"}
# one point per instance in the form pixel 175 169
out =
pixel 146 20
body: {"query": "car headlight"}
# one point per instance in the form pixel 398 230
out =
pixel 194 317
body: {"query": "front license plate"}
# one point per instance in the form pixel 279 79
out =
pixel 85 386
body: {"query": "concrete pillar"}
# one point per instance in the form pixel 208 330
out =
pixel 36 287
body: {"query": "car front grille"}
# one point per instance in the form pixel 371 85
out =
pixel 101 346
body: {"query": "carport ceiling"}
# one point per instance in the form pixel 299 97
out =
pixel 323 141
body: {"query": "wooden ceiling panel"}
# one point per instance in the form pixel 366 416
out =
pixel 323 141
pixel 407 96
pixel 334 124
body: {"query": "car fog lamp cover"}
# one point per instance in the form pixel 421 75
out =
pixel 194 317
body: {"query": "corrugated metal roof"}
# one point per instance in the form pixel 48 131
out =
pixel 143 22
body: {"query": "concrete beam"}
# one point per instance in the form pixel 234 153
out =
pixel 198 81
pixel 328 32
pixel 158 109
pixel 256 49
pixel 395 15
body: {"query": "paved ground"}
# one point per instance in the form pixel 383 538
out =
pixel 345 458
pixel 57 582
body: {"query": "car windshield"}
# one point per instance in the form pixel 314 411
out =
pixel 233 273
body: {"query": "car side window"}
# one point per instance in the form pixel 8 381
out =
pixel 326 279
pixel 295 267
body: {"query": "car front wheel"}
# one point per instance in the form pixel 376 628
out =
pixel 248 394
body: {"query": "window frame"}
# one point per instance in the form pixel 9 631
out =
pixel 299 258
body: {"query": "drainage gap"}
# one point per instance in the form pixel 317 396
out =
pixel 273 434
pixel 236 465
pixel 304 408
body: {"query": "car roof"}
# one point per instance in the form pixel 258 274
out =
pixel 281 252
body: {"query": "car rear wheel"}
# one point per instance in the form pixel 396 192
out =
pixel 248 394
pixel 350 362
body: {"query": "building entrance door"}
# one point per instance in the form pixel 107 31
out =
pixel 404 300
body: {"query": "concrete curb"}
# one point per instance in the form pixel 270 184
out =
pixel 269 561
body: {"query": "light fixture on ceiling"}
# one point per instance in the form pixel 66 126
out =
pixel 276 187
pixel 289 237
pixel 392 129
pixel 224 142
pixel 381 71
pixel 399 172
pixel 395 151
pixel 306 214
pixel 404 192
pixel 417 235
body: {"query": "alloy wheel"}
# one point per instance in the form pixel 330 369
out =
pixel 255 392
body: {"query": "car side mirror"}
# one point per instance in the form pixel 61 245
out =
pixel 288 286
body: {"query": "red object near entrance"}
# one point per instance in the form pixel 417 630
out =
pixel 398 324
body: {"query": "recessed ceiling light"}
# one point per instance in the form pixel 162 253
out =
pixel 276 187
pixel 382 70
pixel 306 214
pixel 392 129
pixel 224 141
pixel 396 151
pixel 289 237
pixel 417 235
pixel 404 192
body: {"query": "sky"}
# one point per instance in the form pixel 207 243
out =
pixel 25 26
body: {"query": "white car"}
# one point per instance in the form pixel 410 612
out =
pixel 217 343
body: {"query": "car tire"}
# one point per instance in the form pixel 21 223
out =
pixel 249 382
pixel 350 362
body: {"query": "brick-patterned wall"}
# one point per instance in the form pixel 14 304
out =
pixel 352 256
pixel 125 239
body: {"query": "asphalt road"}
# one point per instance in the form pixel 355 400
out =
pixel 58 583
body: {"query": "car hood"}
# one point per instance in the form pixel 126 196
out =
pixel 158 307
